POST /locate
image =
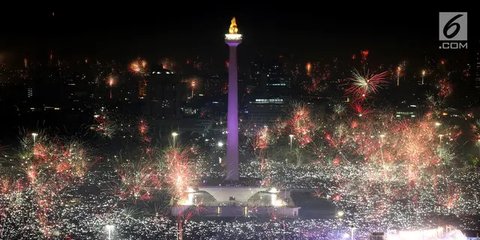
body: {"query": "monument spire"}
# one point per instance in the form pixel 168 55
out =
pixel 232 39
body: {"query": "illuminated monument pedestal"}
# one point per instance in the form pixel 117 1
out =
pixel 234 201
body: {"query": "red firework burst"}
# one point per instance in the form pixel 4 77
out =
pixel 446 88
pixel 302 125
pixel 180 175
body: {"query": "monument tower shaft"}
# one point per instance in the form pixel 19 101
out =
pixel 232 39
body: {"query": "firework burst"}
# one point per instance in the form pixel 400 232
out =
pixel 139 179
pixel 445 88
pixel 301 124
pixel 48 166
pixel 103 124
pixel 262 139
pixel 363 85
pixel 179 170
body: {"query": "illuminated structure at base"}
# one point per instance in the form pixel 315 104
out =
pixel 232 39
pixel 236 202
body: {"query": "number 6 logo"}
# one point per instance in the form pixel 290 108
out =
pixel 453 26
pixel 451 23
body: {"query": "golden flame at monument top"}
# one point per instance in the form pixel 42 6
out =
pixel 233 27
pixel 233 36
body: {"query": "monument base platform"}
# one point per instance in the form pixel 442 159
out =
pixel 236 202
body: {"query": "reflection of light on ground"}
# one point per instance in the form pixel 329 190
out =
pixel 430 234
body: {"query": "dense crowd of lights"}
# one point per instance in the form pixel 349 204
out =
pixel 383 173
pixel 404 177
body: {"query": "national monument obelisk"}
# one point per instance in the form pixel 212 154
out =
pixel 232 39
pixel 234 200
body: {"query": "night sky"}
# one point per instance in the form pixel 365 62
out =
pixel 305 30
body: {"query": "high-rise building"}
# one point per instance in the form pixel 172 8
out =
pixel 162 93
pixel 29 92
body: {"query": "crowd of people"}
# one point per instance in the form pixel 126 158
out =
pixel 84 212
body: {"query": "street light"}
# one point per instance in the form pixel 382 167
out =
pixel 174 136
pixel 109 228
pixel 423 76
pixel 351 233
pixel 291 141
pixel 111 83
pixel 193 84
pixel 399 70
pixel 220 144
pixel 34 135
